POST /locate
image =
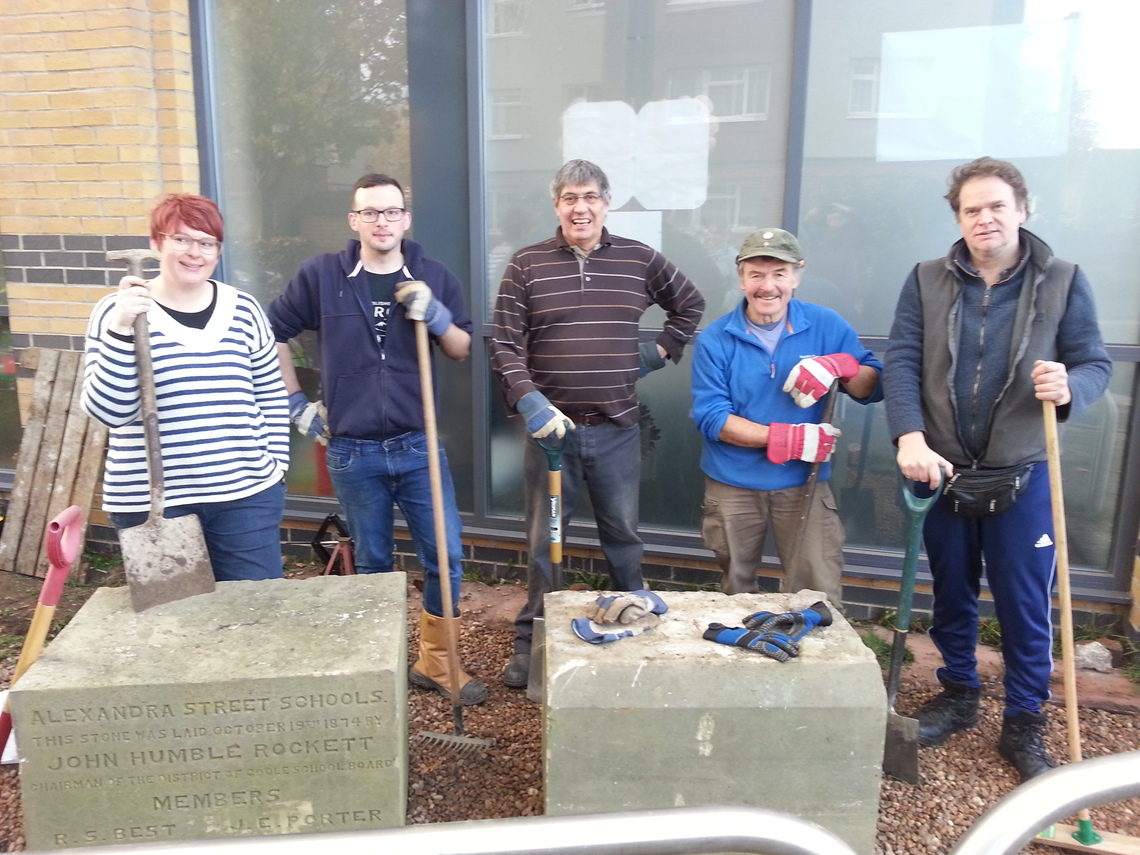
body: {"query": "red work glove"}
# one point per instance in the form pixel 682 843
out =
pixel 810 443
pixel 812 377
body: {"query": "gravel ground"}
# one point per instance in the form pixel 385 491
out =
pixel 961 779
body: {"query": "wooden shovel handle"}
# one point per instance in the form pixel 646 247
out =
pixel 1064 591
pixel 148 398
pixel 427 392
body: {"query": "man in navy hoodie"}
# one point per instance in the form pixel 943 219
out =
pixel 362 301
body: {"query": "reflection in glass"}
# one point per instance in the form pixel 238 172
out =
pixel 685 106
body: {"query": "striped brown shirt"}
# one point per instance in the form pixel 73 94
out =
pixel 566 323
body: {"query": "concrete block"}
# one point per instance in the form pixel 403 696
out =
pixel 668 719
pixel 270 707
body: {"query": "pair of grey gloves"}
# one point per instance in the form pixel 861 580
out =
pixel 619 616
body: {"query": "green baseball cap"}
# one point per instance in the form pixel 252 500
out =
pixel 772 243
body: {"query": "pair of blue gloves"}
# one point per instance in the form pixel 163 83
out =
pixel 774 635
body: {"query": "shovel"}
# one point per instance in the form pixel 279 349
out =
pixel 64 534
pixel 900 749
pixel 553 447
pixel 164 559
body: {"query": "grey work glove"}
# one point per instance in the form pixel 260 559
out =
pixel 626 608
pixel 421 305
pixel 542 417
pixel 310 417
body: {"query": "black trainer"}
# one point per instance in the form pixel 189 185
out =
pixel 1021 744
pixel 954 709
pixel 517 673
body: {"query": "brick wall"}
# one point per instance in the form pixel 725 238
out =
pixel 96 121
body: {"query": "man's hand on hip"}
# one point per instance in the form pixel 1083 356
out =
pixel 808 442
pixel 810 379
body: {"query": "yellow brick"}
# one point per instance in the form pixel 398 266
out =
pixel 95 40
pixel 120 57
pixel 139 190
pixel 125 136
pixel 13 82
pixel 52 154
pixel 168 100
pixel 71 226
pixel 126 208
pixel 127 98
pixel 106 19
pixel 133 115
pixel 26 102
pixel 128 172
pixel 34 42
pixel 68 60
pixel 65 326
pixel 24 63
pixel 137 153
pixel 77 99
pixel 178 80
pixel 58 23
pixel 73 172
pixel 30 137
pixel 133 78
pixel 96 154
pixel 38 208
pixel 20 225
pixel 94 118
pixel 76 136
pixel 25 291
pixel 100 78
pixel 174 137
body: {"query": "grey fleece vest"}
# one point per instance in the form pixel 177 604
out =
pixel 1017 431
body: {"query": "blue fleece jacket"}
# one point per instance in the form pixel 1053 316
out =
pixel 369 393
pixel 733 374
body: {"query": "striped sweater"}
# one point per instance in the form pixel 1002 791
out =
pixel 222 411
pixel 566 324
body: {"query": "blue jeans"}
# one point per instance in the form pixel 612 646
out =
pixel 370 477
pixel 606 459
pixel 1016 551
pixel 243 536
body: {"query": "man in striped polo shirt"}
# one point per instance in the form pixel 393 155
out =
pixel 566 351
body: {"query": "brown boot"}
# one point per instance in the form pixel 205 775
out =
pixel 431 671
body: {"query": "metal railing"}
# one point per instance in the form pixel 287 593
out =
pixel 1002 830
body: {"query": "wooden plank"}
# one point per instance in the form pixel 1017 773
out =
pixel 90 470
pixel 68 464
pixel 44 479
pixel 1062 838
pixel 47 362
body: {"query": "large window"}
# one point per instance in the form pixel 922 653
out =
pixel 945 83
pixel 735 60
pixel 309 97
pixel 841 124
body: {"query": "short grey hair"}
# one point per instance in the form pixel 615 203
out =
pixel 578 173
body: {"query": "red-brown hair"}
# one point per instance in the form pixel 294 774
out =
pixel 195 212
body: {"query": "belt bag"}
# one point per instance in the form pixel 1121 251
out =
pixel 977 493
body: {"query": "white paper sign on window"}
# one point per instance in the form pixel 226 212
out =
pixel 660 156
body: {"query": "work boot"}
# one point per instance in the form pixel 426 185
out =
pixel 431 671
pixel 952 710
pixel 517 673
pixel 1021 744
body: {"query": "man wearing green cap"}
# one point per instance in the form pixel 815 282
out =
pixel 760 373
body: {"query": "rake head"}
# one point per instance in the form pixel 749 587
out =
pixel 460 743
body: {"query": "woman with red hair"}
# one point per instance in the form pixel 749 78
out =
pixel 222 411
